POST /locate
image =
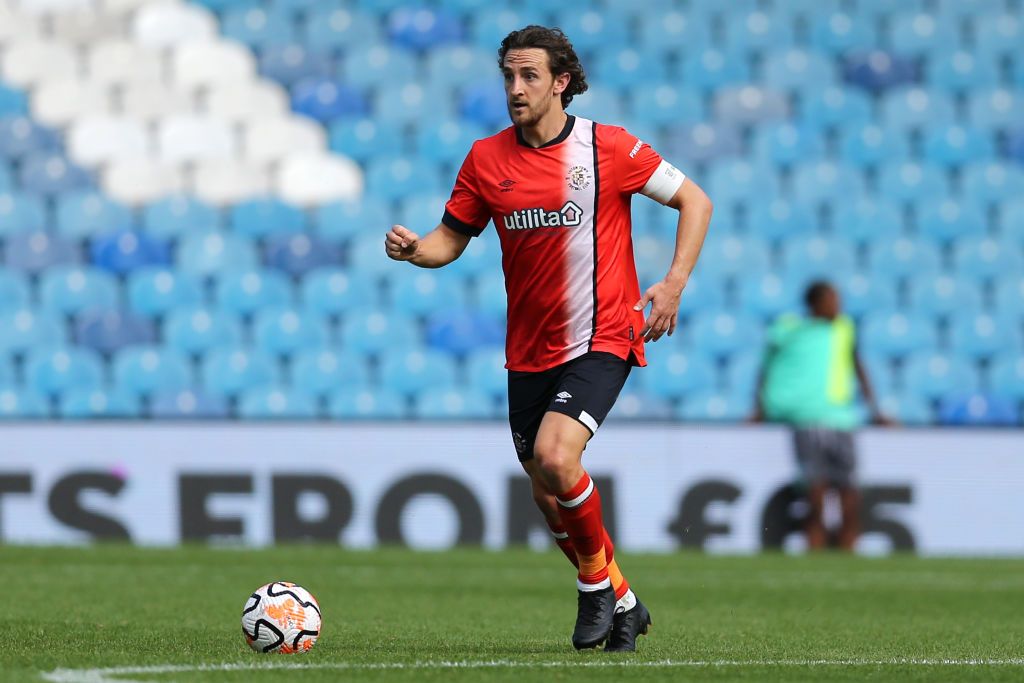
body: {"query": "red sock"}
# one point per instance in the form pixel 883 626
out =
pixel 580 510
pixel 564 543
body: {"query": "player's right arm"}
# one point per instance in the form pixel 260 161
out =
pixel 440 247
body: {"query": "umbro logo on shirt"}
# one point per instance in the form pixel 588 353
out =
pixel 569 216
pixel 506 185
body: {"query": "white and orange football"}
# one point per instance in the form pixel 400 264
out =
pixel 281 617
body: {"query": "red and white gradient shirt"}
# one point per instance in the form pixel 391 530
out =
pixel 562 214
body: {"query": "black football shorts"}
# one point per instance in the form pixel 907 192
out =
pixel 584 388
pixel 825 456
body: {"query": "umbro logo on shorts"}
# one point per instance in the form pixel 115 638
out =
pixel 562 397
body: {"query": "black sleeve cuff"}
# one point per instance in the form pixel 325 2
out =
pixel 460 226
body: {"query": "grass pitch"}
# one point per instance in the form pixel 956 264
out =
pixel 118 613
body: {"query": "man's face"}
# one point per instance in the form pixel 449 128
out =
pixel 530 88
pixel 829 305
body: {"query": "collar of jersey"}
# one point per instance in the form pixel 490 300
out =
pixel 566 129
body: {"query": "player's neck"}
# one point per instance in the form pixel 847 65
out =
pixel 545 130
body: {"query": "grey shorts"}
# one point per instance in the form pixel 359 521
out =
pixel 825 456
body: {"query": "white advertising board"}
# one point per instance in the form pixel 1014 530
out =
pixel 432 485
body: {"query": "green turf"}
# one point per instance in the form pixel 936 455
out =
pixel 715 618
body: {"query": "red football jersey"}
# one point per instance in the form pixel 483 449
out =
pixel 562 214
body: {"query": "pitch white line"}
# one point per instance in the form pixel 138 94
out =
pixel 104 675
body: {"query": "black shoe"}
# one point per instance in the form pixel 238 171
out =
pixel 594 618
pixel 628 625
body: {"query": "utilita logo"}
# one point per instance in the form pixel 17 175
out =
pixel 569 216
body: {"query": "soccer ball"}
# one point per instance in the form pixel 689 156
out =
pixel 281 617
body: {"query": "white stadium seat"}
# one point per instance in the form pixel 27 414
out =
pixel 101 139
pixel 153 100
pixel 85 27
pixel 32 61
pixel 192 138
pixel 141 180
pixel 206 63
pixel 229 181
pixel 16 25
pixel 164 24
pixel 269 140
pixel 58 103
pixel 126 7
pixel 52 6
pixel 247 100
pixel 311 179
pixel 122 61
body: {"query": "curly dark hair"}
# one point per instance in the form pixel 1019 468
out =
pixel 816 291
pixel 561 56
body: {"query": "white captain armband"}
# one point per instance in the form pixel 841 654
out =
pixel 663 183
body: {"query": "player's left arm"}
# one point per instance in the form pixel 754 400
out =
pixel 695 210
pixel 877 416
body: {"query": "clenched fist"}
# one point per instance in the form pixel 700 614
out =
pixel 401 243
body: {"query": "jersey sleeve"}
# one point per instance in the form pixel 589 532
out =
pixel 466 211
pixel 641 169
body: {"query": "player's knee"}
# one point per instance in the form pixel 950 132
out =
pixel 554 460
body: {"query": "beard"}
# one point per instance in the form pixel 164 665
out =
pixel 526 117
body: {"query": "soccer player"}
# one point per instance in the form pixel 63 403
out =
pixel 558 188
pixel 807 381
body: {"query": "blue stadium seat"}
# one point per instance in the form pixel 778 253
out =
pixel 892 334
pixel 492 24
pixel 600 104
pixel 797 69
pixel 491 298
pixel 12 102
pixel 6 179
pixel 1011 224
pixel 246 292
pixel 873 145
pixel 639 405
pixel 767 295
pixel 968 9
pixel 257 26
pixel 422 291
pixel 463 331
pixel 977 410
pixel 673 30
pixel 454 403
pixel 25 329
pixel 378 64
pixel 325 99
pixel 330 28
pixel 714 406
pixel 908 410
pixel 276 403
pixel 372 331
pixel 110 330
pixel 750 105
pixel 482 255
pixel 21 213
pixel 653 255
pixel 957 145
pixel 981 335
pixel 722 334
pixel 1009 295
pixel 1013 147
pixel 733 256
pixel 157 291
pixel 862 293
pixel 867 220
pixel 413 371
pixel 447 141
pixel 35 251
pixel 367 258
pixel 332 291
pixel 826 181
pixel 779 219
pixel 51 173
pixel 917 107
pixel 838 33
pixel 69 290
pixel 674 373
pixel 787 144
pixel 733 182
pixel 338 222
pixel 89 404
pixel 622 67
pixel 20 403
pixel 710 68
pixel 933 375
pixel 877 70
pixel 1006 374
pixel 985 257
pixel 993 182
pixel 903 257
pixel 485 371
pixel 366 404
pixel 757 31
pixel 208 253
pixel 21 136
pixel 51 371
pixel 284 332
pixel 300 253
pixel 923 34
pixel 836 106
pixel 703 142
pixel 265 216
pixel 321 371
pixel 949 219
pixel 592 29
pixel 424 28
pixel 962 70
pixel 14 291
pixel 818 257
pixel 151 370
pixel 128 250
pixel 911 182
pixel 1003 31
pixel 742 373
pixel 174 216
pixel 196 330
pixel 288 64
pixel 188 404
pixel 364 139
pixel 459 65
pixel 394 178
pixel 228 371
pixel 944 295
pixel 405 103
pixel 662 103
pixel 88 213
